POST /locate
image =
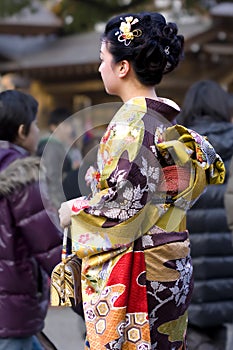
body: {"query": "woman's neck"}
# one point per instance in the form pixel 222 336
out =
pixel 135 90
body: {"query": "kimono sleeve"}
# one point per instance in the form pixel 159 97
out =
pixel 118 211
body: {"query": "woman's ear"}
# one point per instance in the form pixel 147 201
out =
pixel 124 68
pixel 21 133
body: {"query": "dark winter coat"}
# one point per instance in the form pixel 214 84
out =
pixel 228 198
pixel 30 244
pixel 211 240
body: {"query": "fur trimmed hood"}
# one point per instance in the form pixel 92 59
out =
pixel 20 173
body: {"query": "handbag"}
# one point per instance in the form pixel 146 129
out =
pixel 65 287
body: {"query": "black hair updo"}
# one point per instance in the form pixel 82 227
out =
pixel 153 51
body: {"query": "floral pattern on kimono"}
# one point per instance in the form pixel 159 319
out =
pixel 136 266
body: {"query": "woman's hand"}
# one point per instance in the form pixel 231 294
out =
pixel 65 214
pixel 71 207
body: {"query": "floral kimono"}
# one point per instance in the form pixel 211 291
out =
pixel 131 236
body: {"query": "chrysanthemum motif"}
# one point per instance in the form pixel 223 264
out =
pixel 125 32
pixel 181 289
pixel 151 173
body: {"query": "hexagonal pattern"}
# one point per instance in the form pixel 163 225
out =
pixel 100 326
pixel 133 334
pixel 102 308
pixel 140 318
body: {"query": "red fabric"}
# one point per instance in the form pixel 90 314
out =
pixel 127 272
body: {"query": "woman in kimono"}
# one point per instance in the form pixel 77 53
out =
pixel 130 234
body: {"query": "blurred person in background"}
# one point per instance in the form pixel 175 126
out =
pixel 30 244
pixel 228 198
pixel 54 150
pixel 206 110
pixel 74 184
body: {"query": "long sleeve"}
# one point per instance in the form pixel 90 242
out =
pixel 37 225
pixel 124 179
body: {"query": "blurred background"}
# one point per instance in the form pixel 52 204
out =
pixel 50 48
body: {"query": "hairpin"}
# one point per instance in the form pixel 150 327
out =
pixel 167 50
pixel 125 34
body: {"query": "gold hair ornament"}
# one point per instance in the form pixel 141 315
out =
pixel 125 34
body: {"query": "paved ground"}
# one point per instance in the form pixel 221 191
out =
pixel 65 328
